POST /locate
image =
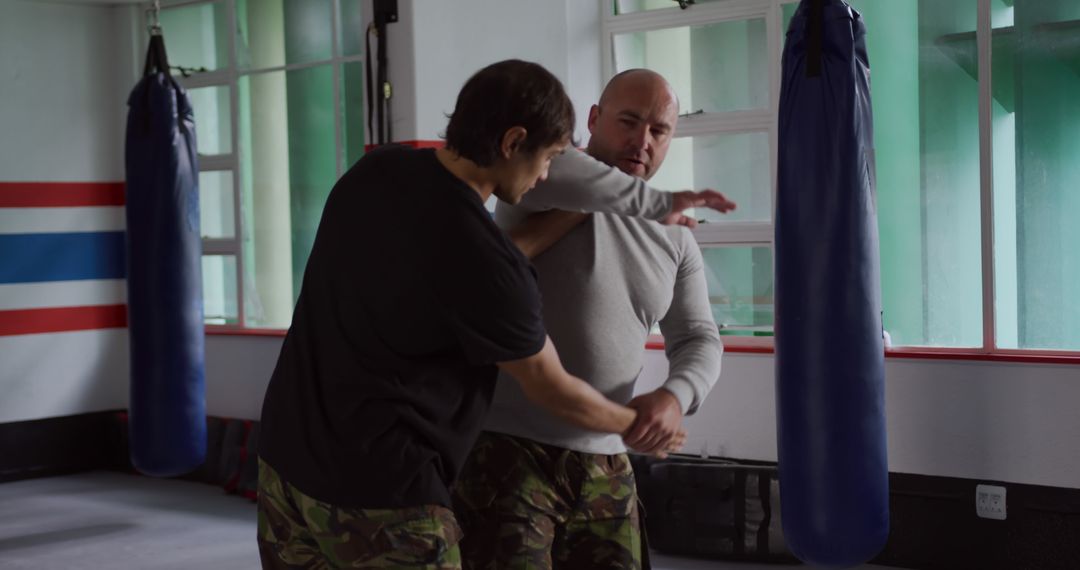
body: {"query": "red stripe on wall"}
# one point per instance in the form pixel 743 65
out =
pixel 62 319
pixel 60 194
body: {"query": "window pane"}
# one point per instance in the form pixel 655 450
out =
pixel 288 166
pixel 740 283
pixel 216 204
pixel 352 30
pixel 219 290
pixel 213 124
pixel 735 164
pixel 926 100
pixel 713 68
pixel 630 6
pixel 274 33
pixel 1036 79
pixel 926 134
pixel 197 36
pixel 787 11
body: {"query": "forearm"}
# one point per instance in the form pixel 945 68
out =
pixel 694 363
pixel 546 383
pixel 540 231
pixel 579 183
pixel 691 339
pixel 576 402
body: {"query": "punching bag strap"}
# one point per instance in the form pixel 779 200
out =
pixel 814 32
pixel 157 61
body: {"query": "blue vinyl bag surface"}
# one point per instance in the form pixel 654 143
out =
pixel 164 271
pixel 834 480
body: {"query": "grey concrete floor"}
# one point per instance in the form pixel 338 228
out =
pixel 104 520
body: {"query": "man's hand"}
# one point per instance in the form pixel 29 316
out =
pixel 657 429
pixel 688 199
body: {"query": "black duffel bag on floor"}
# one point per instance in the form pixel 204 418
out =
pixel 712 508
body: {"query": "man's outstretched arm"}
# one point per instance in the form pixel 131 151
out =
pixel 577 182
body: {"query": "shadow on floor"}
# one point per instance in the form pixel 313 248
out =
pixel 62 535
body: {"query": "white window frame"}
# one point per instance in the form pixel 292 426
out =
pixel 760 234
pixel 715 234
pixel 229 77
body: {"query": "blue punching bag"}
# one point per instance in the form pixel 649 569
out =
pixel 165 314
pixel 830 378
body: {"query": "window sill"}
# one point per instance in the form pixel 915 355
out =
pixel 764 346
pixel 756 346
pixel 224 330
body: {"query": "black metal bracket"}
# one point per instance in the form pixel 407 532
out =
pixel 384 12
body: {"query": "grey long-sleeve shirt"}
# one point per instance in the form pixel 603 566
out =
pixel 604 285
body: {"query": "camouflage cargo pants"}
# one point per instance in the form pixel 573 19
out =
pixel 296 531
pixel 526 505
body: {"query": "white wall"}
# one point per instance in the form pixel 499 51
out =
pixel 64 75
pixel 437 45
pixel 981 420
pixel 238 369
pixel 1009 422
pixel 62 91
pixel 60 374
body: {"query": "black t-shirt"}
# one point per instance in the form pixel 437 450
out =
pixel 410 296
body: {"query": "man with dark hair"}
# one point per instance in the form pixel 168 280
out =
pixel 537 492
pixel 388 368
pixel 491 102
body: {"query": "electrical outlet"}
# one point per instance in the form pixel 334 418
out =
pixel 990 502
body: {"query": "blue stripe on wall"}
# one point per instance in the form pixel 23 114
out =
pixel 30 258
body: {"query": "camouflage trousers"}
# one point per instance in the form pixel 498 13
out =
pixel 526 505
pixel 296 531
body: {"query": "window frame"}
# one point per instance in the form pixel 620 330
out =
pixel 724 234
pixel 753 234
pixel 229 77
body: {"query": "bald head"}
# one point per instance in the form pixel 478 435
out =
pixel 638 79
pixel 631 126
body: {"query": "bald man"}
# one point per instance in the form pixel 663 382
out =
pixel 537 492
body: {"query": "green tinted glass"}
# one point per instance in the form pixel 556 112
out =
pixel 219 290
pixel 713 68
pixel 1036 123
pixel 288 166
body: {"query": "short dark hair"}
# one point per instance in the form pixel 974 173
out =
pixel 504 95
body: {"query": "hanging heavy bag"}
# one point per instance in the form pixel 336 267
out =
pixel 164 248
pixel 834 481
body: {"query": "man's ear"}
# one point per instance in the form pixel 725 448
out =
pixel 512 140
pixel 594 114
